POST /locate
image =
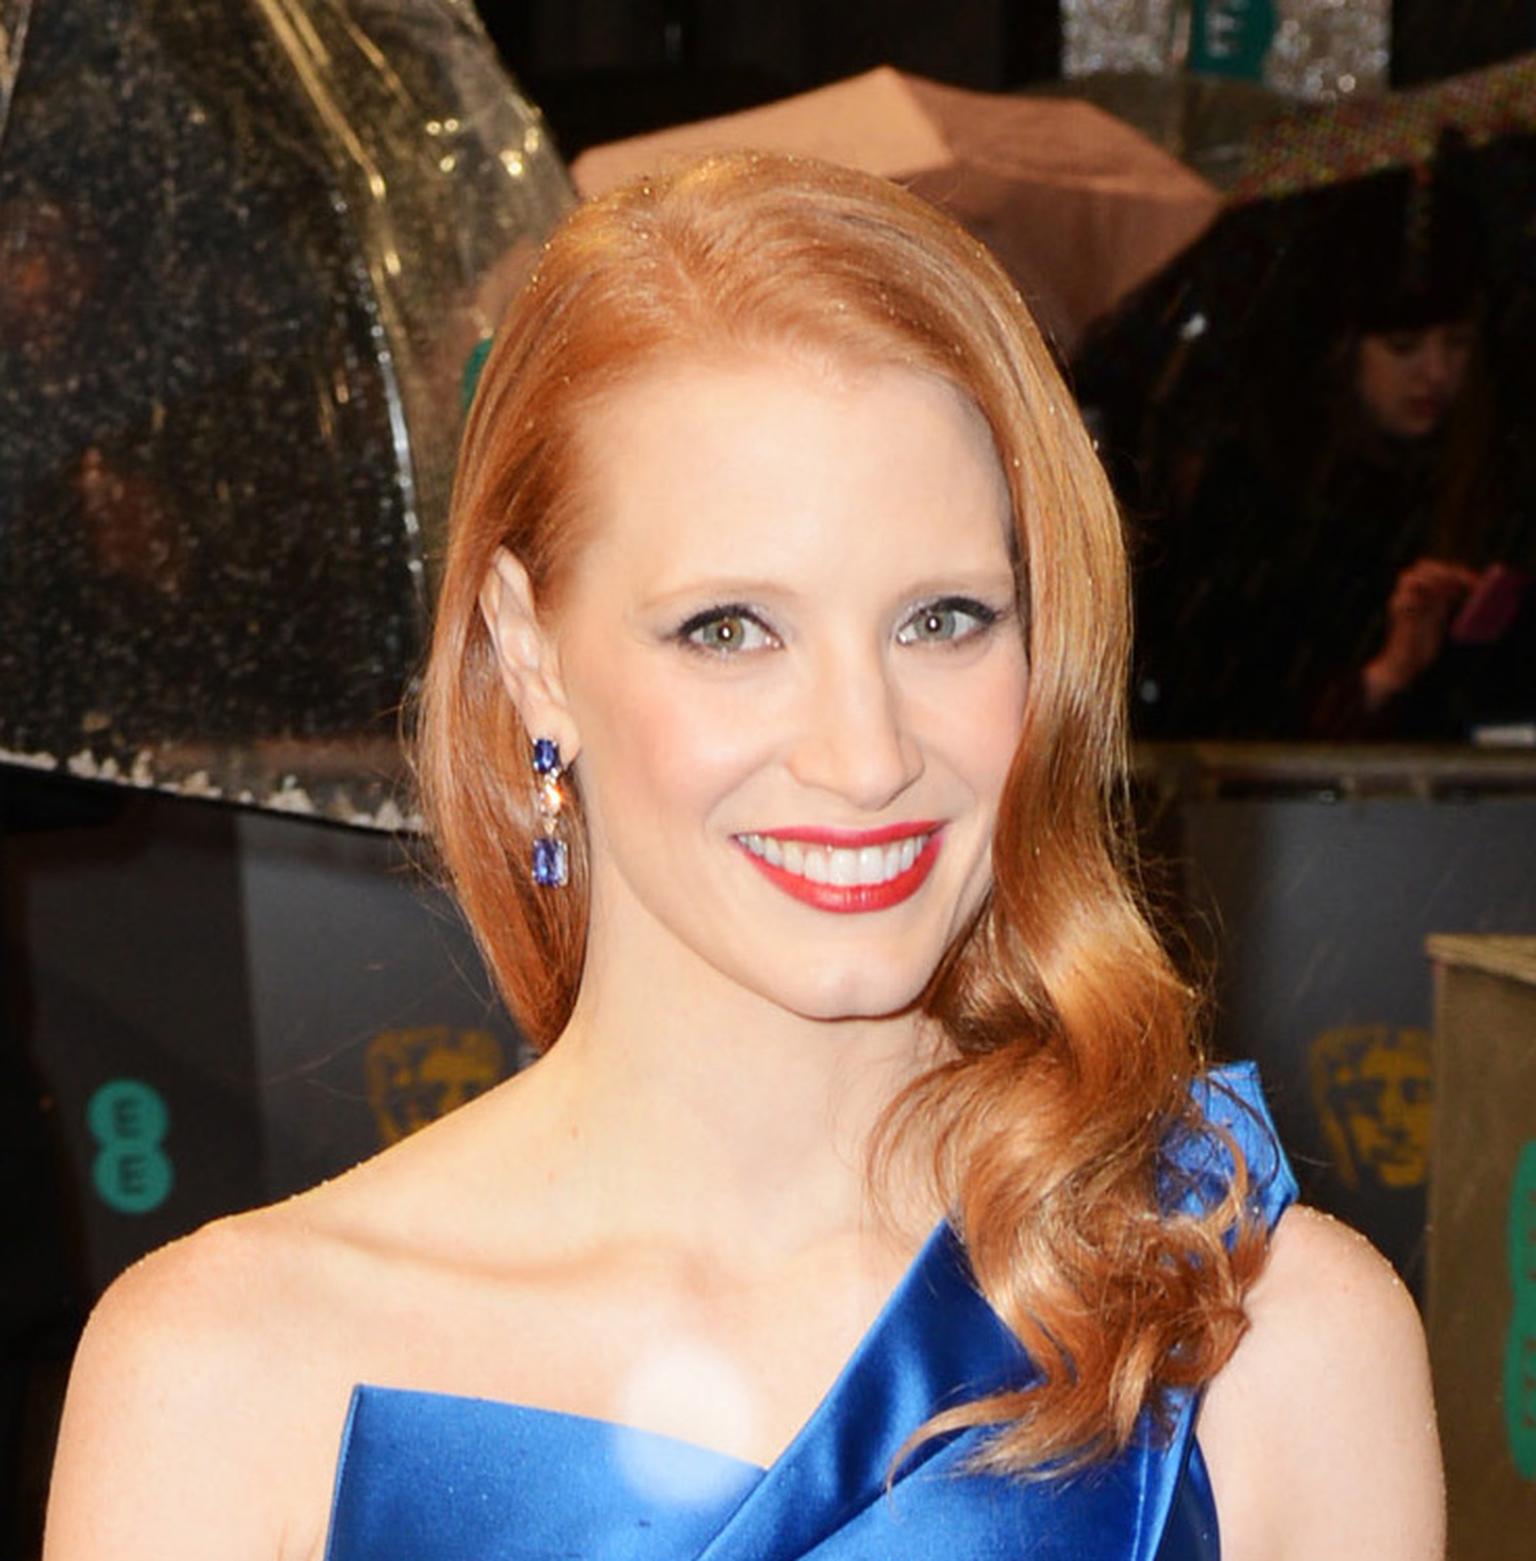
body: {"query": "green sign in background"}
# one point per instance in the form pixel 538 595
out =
pixel 1520 1344
pixel 129 1120
pixel 1231 37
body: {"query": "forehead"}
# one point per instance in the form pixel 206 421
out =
pixel 786 460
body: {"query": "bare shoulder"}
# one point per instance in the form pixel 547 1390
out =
pixel 207 1401
pixel 1320 1431
pixel 176 1438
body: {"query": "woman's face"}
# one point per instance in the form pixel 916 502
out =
pixel 793 657
pixel 1409 379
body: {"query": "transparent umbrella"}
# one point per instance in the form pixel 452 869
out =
pixel 246 248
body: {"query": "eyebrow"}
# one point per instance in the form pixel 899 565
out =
pixel 743 588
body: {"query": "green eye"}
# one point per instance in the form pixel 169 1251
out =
pixel 939 623
pixel 945 623
pixel 725 631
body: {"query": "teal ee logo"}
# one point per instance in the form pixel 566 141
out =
pixel 128 1120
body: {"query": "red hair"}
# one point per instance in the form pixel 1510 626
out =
pixel 1072 1037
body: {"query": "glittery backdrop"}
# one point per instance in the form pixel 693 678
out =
pixel 246 247
pixel 1322 49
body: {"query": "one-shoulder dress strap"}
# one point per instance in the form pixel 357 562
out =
pixel 1199 1164
pixel 1198 1161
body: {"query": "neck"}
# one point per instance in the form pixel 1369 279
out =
pixel 694 1112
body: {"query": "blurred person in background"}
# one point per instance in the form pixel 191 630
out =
pixel 1329 570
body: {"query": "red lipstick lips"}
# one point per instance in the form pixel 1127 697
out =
pixel 849 899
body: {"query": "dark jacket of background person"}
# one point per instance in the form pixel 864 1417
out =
pixel 1262 602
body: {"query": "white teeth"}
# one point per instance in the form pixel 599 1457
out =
pixel 843 867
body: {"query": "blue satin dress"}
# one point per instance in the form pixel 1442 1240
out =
pixel 433 1477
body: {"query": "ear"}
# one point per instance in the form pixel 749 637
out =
pixel 526 654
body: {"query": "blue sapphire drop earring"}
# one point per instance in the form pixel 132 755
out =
pixel 550 866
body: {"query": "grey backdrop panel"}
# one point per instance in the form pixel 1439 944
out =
pixel 370 1008
pixel 264 1000
pixel 123 945
pixel 1319 910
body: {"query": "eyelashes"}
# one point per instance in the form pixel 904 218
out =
pixel 734 628
pixel 726 630
pixel 943 622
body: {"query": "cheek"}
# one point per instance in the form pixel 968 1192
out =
pixel 1009 699
pixel 662 753
pixel 978 726
pixel 1369 381
pixel 1385 377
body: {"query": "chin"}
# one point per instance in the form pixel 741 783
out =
pixel 1411 426
pixel 854 987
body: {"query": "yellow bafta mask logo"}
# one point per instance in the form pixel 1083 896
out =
pixel 416 1076
pixel 1373 1093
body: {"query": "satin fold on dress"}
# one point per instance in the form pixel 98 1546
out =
pixel 435 1477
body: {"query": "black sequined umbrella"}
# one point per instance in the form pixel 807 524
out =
pixel 1375 132
pixel 246 247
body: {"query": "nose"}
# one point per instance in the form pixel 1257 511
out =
pixel 851 740
pixel 1437 362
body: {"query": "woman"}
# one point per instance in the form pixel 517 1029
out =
pixel 1355 479
pixel 1319 549
pixel 772 736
